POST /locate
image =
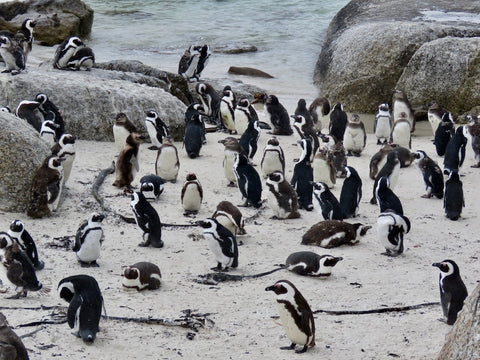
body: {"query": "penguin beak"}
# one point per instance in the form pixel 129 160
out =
pixel 270 288
pixel 201 223
pixel 436 265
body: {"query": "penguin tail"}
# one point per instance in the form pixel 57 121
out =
pixel 192 155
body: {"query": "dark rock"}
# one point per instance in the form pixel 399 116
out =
pixel 248 71
pixel 233 49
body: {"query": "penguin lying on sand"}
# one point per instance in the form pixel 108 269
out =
pixel 142 275
pixel 333 233
pixel 311 264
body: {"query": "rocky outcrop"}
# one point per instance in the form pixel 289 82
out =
pixel 55 20
pixel 371 43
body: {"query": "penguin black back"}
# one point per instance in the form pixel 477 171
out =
pixel 302 178
pixel 194 134
pixel 338 122
pixel 248 181
pixel 453 201
pixel 444 133
pixel 351 193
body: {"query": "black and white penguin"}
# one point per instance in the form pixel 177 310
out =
pixel 379 159
pixel 192 195
pixel 401 131
pixel 435 114
pixel 453 291
pixel 391 227
pixel 49 109
pixel 151 186
pixel 320 105
pixel 222 243
pixel 309 263
pixel 454 200
pixel 244 113
pixel 65 51
pixel 338 122
pixel 65 150
pixel 231 217
pixel 325 203
pixel 355 136
pixel 473 132
pixel 88 240
pixel 5 109
pixel 390 170
pixel 167 162
pixel 127 164
pixel 386 198
pixel 248 181
pixel 273 158
pixel 302 110
pixel 19 268
pixel 324 169
pixel 249 139
pixel 85 305
pixel 187 66
pixel 281 197
pixel 295 315
pixel 333 233
pixel 305 130
pixel 204 56
pixel 18 233
pixel 11 345
pixel 351 193
pixel 232 147
pixel 278 116
pixel 400 104
pixel 228 103
pixel 27 36
pixel 12 54
pixel 443 134
pixel 455 151
pixel 29 111
pixel 432 175
pixel 142 276
pixel 302 178
pixel 382 127
pixel 194 136
pixel 47 132
pixel 156 128
pixel 147 220
pixel 82 59
pixel 210 101
pixel 122 127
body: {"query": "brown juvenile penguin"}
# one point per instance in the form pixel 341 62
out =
pixel 401 105
pixel 231 217
pixel 282 197
pixel 333 233
pixel 122 127
pixel 305 130
pixel 127 162
pixel 11 346
pixel 142 275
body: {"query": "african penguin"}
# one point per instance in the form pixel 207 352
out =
pixel 400 104
pixel 435 114
pixel 302 110
pixel 194 136
pixel 27 36
pixel 278 116
pixel 232 147
pixel 443 134
pixel 231 217
pixel 351 193
pixel 248 181
pixel 210 101
pixel 249 139
pixel 18 232
pixel 378 160
pixel 333 233
pixel 281 197
pixel 47 132
pixel 151 186
pixel 338 122
pixel 187 65
pixel 454 200
pixel 432 175
pixel 11 345
pixel 324 169
pixel 391 170
pixel 455 151
pixel 386 198
pixel 228 103
pixel 65 51
pixel 382 126
pixel 49 109
pixel 204 56
pixel 192 195
pixel 12 54
pixel 309 263
pixel 401 131
pixel 273 157
pixel 167 162
pixel 325 203
pixel 355 136
pixel 244 113
pixel 127 164
pixel 302 178
pixel 305 130
pixel 473 132
pixel 391 227
pixel 122 127
pixel 82 59
pixel 319 105
pixel 156 129
pixel 147 220
pixel 65 150
pixel 30 111
pixel 142 275
pixel 88 240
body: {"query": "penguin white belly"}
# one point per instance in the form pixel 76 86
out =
pixel 273 203
pixel 354 140
pixel 227 116
pixel 67 166
pixel 152 133
pixel 120 135
pixel 241 122
pixel 321 172
pixel 62 62
pixel 90 249
pixel 132 283
pixel 401 135
pixel 271 163
pixel 434 122
pixel 217 251
pixel 227 222
pixel 53 205
pixel 318 207
pixel 400 107
pixel 291 329
pixel 393 178
pixel 228 166
pixel 383 130
pixel 167 167
pixel 191 198
pixel 383 224
pixel 328 240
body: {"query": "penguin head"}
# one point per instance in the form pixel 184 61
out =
pixel 5 42
pixel 146 186
pixel 208 224
pixel 29 24
pixel 66 290
pixel 282 288
pixel 453 176
pixel 355 118
pixel 383 107
pixel 230 143
pixel 402 115
pixel 273 141
pixel 276 177
pixel 137 197
pixel 96 218
pixel 191 177
pixel 259 98
pixel 383 183
pixel 447 267
pixel 419 155
pixel 55 163
pixel 301 104
pixel 272 100
pixel 338 107
pixel 298 120
pixel 121 119
pixel 41 98
pixel 131 273
pixel 330 261
pixel 243 103
pixel 152 115
pixel 67 139
pixel 17 226
pixel 5 240
pixel 134 139
pixel 201 88
pixel 5 109
pixel 74 42
pixel 319 187
pixel 448 117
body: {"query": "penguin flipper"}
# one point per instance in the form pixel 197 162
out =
pixel 134 162
pixel 446 298
pixel 74 309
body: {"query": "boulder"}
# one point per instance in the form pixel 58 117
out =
pixel 369 45
pixel 22 152
pixel 55 20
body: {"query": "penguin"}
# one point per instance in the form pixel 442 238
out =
pixel 355 136
pixel 65 51
pixel 248 181
pixel 308 263
pixel 281 196
pixel 386 198
pixel 147 220
pixel 192 195
pixel 443 134
pixel 122 127
pixel 295 315
pixel 204 51
pixel 453 291
pixel 249 140
pixel 320 104
pixel 127 163
pixel 338 122
pixel 88 240
pixel 193 137
pixel 85 305
pixel 232 147
pixel 324 169
pixel 473 132
pixel 278 116
pixel 210 101
pixel 19 268
pixel 47 132
pixel 379 159
pixel 400 104
pixel 244 114
pixel 302 110
pixel 231 217
pixel 12 54
pixel 351 193
pixel 167 162
pixel 333 233
pixel 46 188
pixel 26 33
pixel 435 114
pixel 142 275
pixel 228 103
pixel 222 243
pixel 11 345
pixel 18 232
pixel 401 132
pixel 390 170
pixel 151 186
pixel 82 59
pixel 432 175
pixel 187 65
pixel 382 126
pixel 273 157
pixel 5 109
pixel 453 200
pixel 455 151
pixel 302 178
pixel 65 150
pixel 49 109
pixel 29 111
pixel 391 227
pixel 339 159
pixel 328 141
pixel 156 129
pixel 305 130
pixel 325 203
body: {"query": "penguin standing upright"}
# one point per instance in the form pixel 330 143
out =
pixel 151 186
pixel 88 240
pixel 453 291
pixel 222 243
pixel 194 136
pixel 48 108
pixel 147 220
pixel 401 132
pixel 47 132
pixel 85 305
pixel 386 198
pixel 167 163
pixel 210 101
pixel 302 110
pixel 355 136
pixel 309 263
pixel 122 127
pixel 391 170
pixel 232 147
pixel 324 169
pixel 187 66
pixel 12 54
pixel 435 114
pixel 320 104
pixel 204 51
pixel 443 134
pixel 248 181
pixel 249 140
pixel 65 150
pixel 432 175
pixel 295 315
pixel 231 217
pixel 25 36
pixel 400 104
pixel 351 193
pixel 192 195
pixel 338 122
pixel 11 345
pixel 228 104
pixel 156 128
pixel 17 232
pixel 455 151
pixel 382 126
pixel 278 116
pixel 325 202
pixel 391 227
pixel 453 201
pixel 282 198
pixel 302 178
pixel 244 113
pixel 273 157
pixel 473 132
pixel 127 163
pixel 305 129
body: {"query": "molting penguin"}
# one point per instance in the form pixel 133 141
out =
pixel 325 203
pixel 85 305
pixel 295 315
pixel 232 147
pixel 194 136
pixel 156 128
pixel 11 345
pixel 473 131
pixel 26 35
pixel 244 113
pixel 210 101
pixel 435 114
pixel 142 275
pixel 302 110
pixel 222 243
pixel 18 233
pixel 47 132
pixel 278 116
pixel 273 157
pixel 122 127
pixel 386 198
pixel 231 217
pixel 390 170
pixel 382 126
pixel 302 178
pixel 379 159
pixel 151 186
pixel 309 263
pixel 127 163
pixel 65 150
pixel 88 240
pixel 454 201
pixel 12 54
pixel 338 122
pixel 167 163
pixel 192 195
pixel 319 105
pixel 391 227
pixel 351 193
pixel 65 51
pixel 401 132
pixel 29 111
pixel 305 130
pixel 281 196
pixel 455 151
pixel 49 109
pixel 453 291
pixel 333 233
pixel 443 134
pixel 248 181
pixel 187 66
pixel 432 175
pixel 249 140
pixel 147 220
pixel 228 104
pixel 355 136
pixel 400 104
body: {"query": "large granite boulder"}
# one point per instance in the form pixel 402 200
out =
pixel 55 20
pixel 371 43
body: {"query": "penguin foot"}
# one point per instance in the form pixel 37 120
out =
pixel 391 253
pixel 190 213
pixel 349 153
pixel 275 217
pixel 18 295
pixel 144 244
pixel 426 196
pixel 231 184
pixel 302 350
pixel 88 264
pixel 290 347
pixel 157 244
